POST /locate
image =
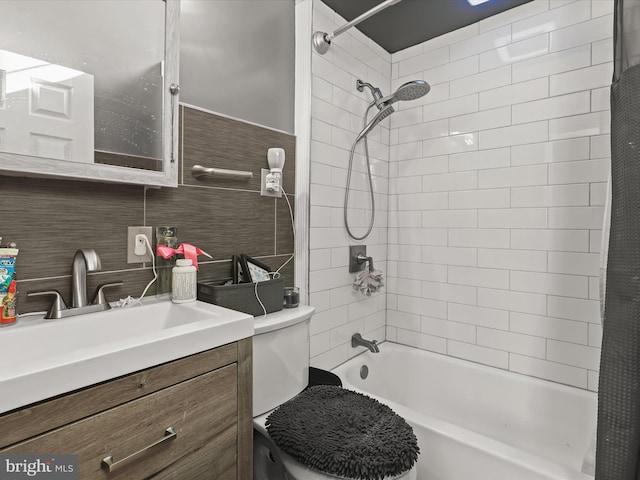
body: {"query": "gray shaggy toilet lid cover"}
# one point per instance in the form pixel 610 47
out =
pixel 344 433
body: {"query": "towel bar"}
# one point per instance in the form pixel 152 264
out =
pixel 198 171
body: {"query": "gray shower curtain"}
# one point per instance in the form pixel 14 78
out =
pixel 618 440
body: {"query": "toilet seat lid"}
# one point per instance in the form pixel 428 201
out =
pixel 343 433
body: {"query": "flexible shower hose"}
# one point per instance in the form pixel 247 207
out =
pixel 346 195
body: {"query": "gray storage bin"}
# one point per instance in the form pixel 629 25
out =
pixel 242 297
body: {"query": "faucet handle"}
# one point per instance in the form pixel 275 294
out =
pixel 56 308
pixel 100 298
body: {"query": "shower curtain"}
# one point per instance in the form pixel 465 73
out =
pixel 618 431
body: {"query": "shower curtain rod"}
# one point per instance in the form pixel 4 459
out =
pixel 322 40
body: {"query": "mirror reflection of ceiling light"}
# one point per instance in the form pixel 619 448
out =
pixel 473 3
pixel 20 71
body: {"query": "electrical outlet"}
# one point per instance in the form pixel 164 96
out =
pixel 136 244
pixel 263 186
pixel 140 245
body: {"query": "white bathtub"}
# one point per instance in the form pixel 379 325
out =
pixel 475 422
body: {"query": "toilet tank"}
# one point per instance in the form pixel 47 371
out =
pixel 280 357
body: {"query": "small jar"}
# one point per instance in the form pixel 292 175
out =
pixel 184 281
pixel 291 297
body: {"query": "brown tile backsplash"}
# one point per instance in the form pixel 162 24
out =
pixel 51 218
pixel 284 229
pixel 217 142
pixel 221 222
pixel 54 218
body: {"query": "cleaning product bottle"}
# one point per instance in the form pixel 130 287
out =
pixel 184 281
pixel 8 310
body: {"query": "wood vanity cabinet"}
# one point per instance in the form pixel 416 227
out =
pixel 206 398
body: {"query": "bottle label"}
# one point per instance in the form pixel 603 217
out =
pixel 184 286
pixel 8 312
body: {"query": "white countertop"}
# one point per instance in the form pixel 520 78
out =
pixel 43 358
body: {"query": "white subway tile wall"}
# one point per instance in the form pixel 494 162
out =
pixel 528 156
pixel 337 117
pixel 493 186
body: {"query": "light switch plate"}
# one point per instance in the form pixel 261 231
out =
pixel 131 242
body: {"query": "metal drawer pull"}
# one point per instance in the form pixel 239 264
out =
pixel 109 465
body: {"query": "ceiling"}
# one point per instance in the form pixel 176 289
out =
pixel 411 22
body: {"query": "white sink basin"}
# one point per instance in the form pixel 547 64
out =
pixel 42 358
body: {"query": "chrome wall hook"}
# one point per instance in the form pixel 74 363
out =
pixel 364 259
pixel 358 258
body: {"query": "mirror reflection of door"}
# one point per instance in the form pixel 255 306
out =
pixel 46 110
pixel 122 46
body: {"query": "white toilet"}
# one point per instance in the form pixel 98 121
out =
pixel 280 372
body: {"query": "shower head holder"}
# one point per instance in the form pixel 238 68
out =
pixel 376 93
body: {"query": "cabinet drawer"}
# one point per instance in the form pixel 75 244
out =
pixel 34 419
pixel 202 411
pixel 209 463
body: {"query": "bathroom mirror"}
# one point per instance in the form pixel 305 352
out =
pixel 86 90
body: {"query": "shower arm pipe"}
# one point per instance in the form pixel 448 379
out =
pixel 322 40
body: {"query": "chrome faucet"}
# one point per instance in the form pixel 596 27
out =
pixel 358 341
pixel 85 260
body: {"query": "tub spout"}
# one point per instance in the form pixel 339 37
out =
pixel 357 340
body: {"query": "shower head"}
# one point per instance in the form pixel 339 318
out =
pixel 385 111
pixel 412 90
pixel 408 91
